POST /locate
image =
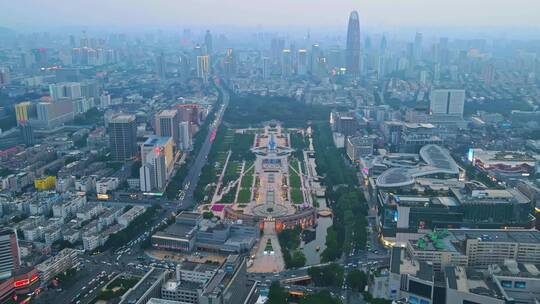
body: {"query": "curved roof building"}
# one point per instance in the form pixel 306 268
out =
pixel 437 159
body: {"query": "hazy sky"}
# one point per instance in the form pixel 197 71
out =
pixel 310 13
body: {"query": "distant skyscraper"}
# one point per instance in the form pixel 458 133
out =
pixel 167 125
pixel 436 72
pixel 367 44
pixel 353 45
pixel 447 102
pixel 266 67
pixel 198 50
pixel 286 63
pixel 314 58
pixel 4 76
pixel 160 66
pixel 229 63
pixel 488 73
pixel 184 66
pixel 381 67
pixel 123 137
pixel 417 50
pixel 302 62
pixel 424 77
pixel 443 55
pixel 384 44
pixel 9 252
pixel 72 41
pixel 208 43
pixel 276 47
pixel 203 67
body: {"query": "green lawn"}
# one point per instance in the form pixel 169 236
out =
pixel 247 179
pixel 268 246
pixel 228 198
pixel 244 196
pixel 294 180
pixel 296 196
pixel 231 172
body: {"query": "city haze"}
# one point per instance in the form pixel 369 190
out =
pixel 280 13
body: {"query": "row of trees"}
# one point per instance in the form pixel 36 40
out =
pixel 279 295
pixel 349 229
pixel 327 276
pixel 139 224
pixel 329 159
pixel 299 143
pixel 348 203
pixel 332 276
pixel 250 110
pixel 289 240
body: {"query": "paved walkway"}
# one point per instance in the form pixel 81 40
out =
pixel 268 262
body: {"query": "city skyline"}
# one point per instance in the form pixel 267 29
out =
pixel 346 152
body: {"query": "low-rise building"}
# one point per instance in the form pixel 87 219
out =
pixel 476 247
pixel 505 165
pixel 66 259
pixel 191 232
pixel 130 215
pixel 413 281
pixel 89 212
pixel 107 184
pixel 85 184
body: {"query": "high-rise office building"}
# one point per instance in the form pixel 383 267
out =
pixel 384 44
pixel 353 45
pixel 266 67
pixel 302 65
pixel 203 67
pixel 229 63
pixel 163 144
pixel 4 76
pixel 123 137
pixel 27 133
pixel 157 160
pixel 167 125
pixel 417 48
pixel 70 90
pixel 160 66
pixel 208 43
pixel 314 58
pixel 90 88
pixel 447 102
pixel 184 136
pixel 53 114
pixel 9 252
pixel 153 172
pixel 286 63
pixel 22 110
pixel 276 47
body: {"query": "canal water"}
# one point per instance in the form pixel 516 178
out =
pixel 313 256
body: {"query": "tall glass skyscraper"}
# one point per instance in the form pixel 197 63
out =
pixel 353 45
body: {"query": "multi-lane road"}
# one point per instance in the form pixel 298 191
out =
pixel 192 178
